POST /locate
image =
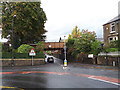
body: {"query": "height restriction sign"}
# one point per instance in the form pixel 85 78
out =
pixel 32 52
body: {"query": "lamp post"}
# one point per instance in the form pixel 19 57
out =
pixel 12 62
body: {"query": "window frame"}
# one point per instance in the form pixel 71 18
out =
pixel 111 29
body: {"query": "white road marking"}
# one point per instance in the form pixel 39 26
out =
pixel 92 77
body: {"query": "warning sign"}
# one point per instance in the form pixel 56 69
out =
pixel 32 52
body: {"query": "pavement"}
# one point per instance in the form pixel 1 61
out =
pixel 95 66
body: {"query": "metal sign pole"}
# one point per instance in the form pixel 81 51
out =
pixel 32 60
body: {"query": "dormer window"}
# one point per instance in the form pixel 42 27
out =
pixel 112 28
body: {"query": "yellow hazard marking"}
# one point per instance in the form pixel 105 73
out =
pixel 11 87
pixel 65 62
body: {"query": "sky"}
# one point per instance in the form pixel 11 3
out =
pixel 64 15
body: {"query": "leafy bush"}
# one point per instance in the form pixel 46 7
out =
pixel 21 55
pixel 96 47
pixel 24 48
pixel 40 47
pixel 112 50
pixel 6 48
pixel 114 44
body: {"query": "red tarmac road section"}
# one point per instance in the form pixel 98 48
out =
pixel 109 79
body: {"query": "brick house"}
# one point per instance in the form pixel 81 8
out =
pixel 111 30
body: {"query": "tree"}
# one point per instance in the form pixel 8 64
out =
pixel 28 24
pixel 75 32
pixel 24 48
pixel 96 47
pixel 70 45
pixel 80 42
pixel 40 47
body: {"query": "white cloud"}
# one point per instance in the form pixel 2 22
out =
pixel 64 15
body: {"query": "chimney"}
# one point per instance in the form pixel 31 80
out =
pixel 119 8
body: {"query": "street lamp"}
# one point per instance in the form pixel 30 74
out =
pixel 12 62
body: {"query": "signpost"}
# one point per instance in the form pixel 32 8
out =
pixel 32 53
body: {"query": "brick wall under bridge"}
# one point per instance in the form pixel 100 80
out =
pixel 52 46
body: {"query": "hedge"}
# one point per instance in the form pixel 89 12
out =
pixel 21 55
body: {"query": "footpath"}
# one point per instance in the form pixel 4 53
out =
pixel 96 66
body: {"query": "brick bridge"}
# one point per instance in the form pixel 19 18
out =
pixel 53 46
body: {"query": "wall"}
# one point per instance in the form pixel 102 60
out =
pixel 104 60
pixel 21 62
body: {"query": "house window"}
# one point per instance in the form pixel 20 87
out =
pixel 111 39
pixel 115 38
pixel 112 27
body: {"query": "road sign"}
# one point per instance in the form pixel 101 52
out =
pixel 32 52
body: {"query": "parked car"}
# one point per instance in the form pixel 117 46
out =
pixel 50 59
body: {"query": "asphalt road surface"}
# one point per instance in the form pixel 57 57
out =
pixel 52 75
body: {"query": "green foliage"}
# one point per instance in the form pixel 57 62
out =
pixel 28 25
pixel 70 45
pixel 6 48
pixel 49 52
pixel 24 48
pixel 111 50
pixel 114 44
pixel 112 47
pixel 82 43
pixel 40 47
pixel 21 55
pixel 75 32
pixel 96 47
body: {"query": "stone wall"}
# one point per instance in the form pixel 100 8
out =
pixel 21 62
pixel 108 61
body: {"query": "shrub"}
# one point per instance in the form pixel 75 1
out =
pixel 24 48
pixel 40 47
pixel 112 49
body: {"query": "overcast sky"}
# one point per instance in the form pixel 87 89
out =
pixel 64 15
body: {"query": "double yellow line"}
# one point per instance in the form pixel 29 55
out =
pixel 11 87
